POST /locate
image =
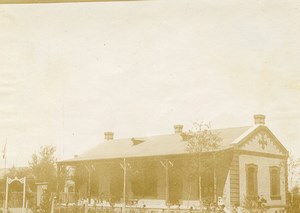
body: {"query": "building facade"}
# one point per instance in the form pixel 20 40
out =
pixel 248 168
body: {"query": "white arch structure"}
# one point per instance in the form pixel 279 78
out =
pixel 9 181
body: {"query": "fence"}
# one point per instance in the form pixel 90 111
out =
pixel 96 209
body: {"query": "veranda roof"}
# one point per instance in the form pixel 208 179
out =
pixel 159 145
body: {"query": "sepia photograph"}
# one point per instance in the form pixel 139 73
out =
pixel 149 106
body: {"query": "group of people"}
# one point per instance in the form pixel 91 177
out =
pixel 218 207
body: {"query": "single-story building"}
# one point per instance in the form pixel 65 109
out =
pixel 157 171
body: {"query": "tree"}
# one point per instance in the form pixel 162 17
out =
pixel 293 182
pixel 43 165
pixel 198 140
pixel 293 172
pixel 19 172
pixel 45 206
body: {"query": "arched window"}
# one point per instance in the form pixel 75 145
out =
pixel 251 180
pixel 275 182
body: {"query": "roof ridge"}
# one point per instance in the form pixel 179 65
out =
pixel 233 127
pixel 148 136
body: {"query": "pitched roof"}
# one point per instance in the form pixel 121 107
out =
pixel 159 145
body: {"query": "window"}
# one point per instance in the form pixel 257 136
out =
pixel 251 177
pixel 275 182
pixel 144 179
pixel 116 183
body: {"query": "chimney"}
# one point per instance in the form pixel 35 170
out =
pixel 178 128
pixel 259 119
pixel 108 136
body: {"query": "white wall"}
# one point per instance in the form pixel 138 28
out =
pixel 263 177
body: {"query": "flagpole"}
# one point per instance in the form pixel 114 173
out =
pixel 6 195
pixel 6 185
pixel 6 189
pixel 4 155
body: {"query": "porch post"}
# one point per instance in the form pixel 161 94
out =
pixel 89 185
pixel 124 167
pixel 215 178
pixel 24 195
pixel 58 183
pixel 167 187
pixel 166 165
pixel 199 179
pixel 6 195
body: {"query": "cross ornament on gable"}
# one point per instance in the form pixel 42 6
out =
pixel 263 143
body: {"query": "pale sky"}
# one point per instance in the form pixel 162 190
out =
pixel 69 72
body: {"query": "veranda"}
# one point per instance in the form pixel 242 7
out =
pixel 154 183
